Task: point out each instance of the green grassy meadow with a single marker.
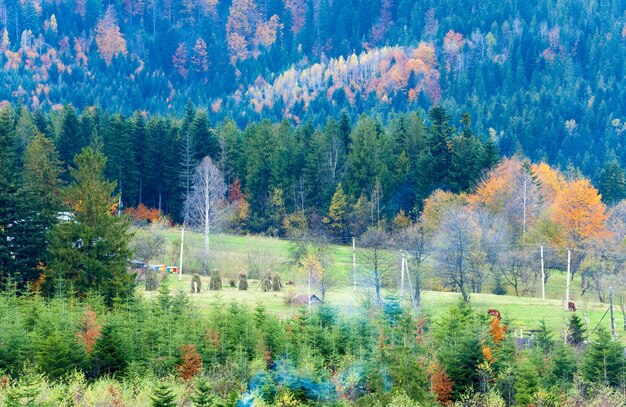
(255, 255)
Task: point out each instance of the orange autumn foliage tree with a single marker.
(552, 181)
(89, 331)
(236, 198)
(240, 27)
(496, 330)
(452, 47)
(579, 210)
(109, 38)
(297, 10)
(488, 355)
(266, 32)
(496, 189)
(192, 363)
(441, 385)
(180, 60)
(143, 213)
(436, 205)
(199, 58)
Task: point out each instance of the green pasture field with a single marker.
(255, 255)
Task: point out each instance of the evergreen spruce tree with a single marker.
(91, 128)
(498, 285)
(9, 200)
(58, 355)
(20, 252)
(163, 396)
(367, 160)
(564, 360)
(204, 139)
(603, 361)
(459, 347)
(576, 332)
(158, 135)
(527, 383)
(465, 159)
(25, 129)
(138, 144)
(43, 123)
(108, 356)
(203, 397)
(345, 128)
(27, 389)
(91, 251)
(612, 183)
(70, 139)
(544, 337)
(435, 164)
(42, 191)
(490, 156)
(338, 212)
(315, 189)
(258, 150)
(41, 177)
(121, 166)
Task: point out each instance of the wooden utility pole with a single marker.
(569, 262)
(543, 277)
(611, 308)
(402, 276)
(354, 263)
(408, 278)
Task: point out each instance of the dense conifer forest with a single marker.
(541, 78)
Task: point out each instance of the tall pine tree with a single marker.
(90, 251)
(612, 183)
(42, 191)
(435, 164)
(20, 249)
(70, 139)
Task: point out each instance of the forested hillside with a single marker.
(539, 77)
(281, 172)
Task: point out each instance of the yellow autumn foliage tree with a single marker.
(493, 192)
(579, 210)
(552, 181)
(109, 38)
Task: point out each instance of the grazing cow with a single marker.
(495, 313)
(571, 306)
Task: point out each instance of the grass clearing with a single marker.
(256, 254)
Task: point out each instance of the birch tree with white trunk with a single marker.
(206, 204)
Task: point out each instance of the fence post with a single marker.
(354, 263)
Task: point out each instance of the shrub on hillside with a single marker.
(152, 280)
